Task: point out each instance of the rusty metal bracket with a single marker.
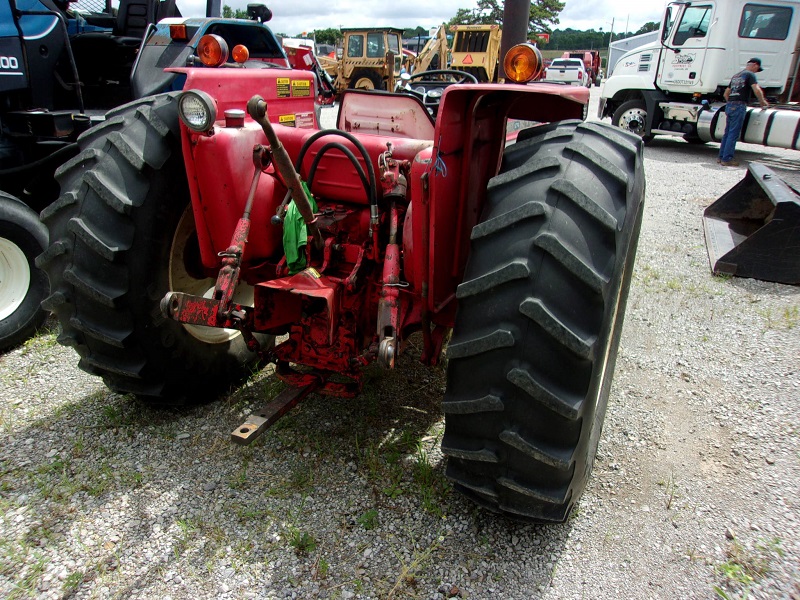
(261, 420)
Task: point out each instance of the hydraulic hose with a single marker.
(349, 154)
(373, 186)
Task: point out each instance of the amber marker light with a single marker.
(178, 33)
(212, 50)
(240, 53)
(523, 63)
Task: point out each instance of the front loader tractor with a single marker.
(202, 233)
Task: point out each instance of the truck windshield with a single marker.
(694, 24)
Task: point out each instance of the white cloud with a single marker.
(307, 15)
(598, 14)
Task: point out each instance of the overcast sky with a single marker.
(295, 16)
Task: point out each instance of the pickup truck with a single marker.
(567, 70)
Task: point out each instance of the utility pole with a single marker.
(610, 39)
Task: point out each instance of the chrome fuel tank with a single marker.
(773, 127)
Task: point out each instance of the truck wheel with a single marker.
(122, 236)
(366, 80)
(22, 285)
(539, 318)
(632, 116)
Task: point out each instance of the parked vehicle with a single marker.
(476, 50)
(371, 59)
(198, 236)
(591, 62)
(59, 72)
(64, 70)
(567, 70)
(675, 85)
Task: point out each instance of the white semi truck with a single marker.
(674, 86)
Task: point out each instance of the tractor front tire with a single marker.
(121, 236)
(365, 79)
(540, 313)
(22, 285)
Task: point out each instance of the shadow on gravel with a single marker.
(674, 150)
(107, 496)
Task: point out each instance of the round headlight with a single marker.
(197, 110)
(523, 63)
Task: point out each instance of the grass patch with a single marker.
(746, 565)
(368, 520)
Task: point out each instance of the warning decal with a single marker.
(287, 120)
(468, 59)
(305, 120)
(301, 88)
(284, 89)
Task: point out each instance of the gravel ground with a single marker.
(694, 493)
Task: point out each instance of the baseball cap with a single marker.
(756, 61)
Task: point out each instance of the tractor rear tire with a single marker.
(121, 237)
(365, 79)
(22, 285)
(540, 313)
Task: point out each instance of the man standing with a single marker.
(737, 95)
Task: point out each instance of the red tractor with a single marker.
(196, 228)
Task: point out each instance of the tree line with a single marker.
(543, 16)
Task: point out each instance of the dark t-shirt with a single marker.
(741, 86)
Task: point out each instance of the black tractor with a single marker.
(63, 65)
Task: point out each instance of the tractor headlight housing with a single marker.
(197, 110)
(523, 63)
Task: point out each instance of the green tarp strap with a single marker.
(295, 235)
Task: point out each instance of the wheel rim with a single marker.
(181, 280)
(15, 277)
(634, 120)
(365, 83)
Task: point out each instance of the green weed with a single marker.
(302, 542)
(368, 520)
(71, 582)
(746, 566)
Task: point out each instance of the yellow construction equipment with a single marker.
(476, 49)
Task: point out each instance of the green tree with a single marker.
(542, 16)
(328, 36)
(417, 31)
(229, 13)
(648, 27)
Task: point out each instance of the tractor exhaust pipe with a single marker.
(257, 109)
(516, 16)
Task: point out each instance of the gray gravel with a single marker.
(695, 492)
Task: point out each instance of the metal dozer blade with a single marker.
(753, 229)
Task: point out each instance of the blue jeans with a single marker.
(734, 119)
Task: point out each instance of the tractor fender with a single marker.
(468, 142)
